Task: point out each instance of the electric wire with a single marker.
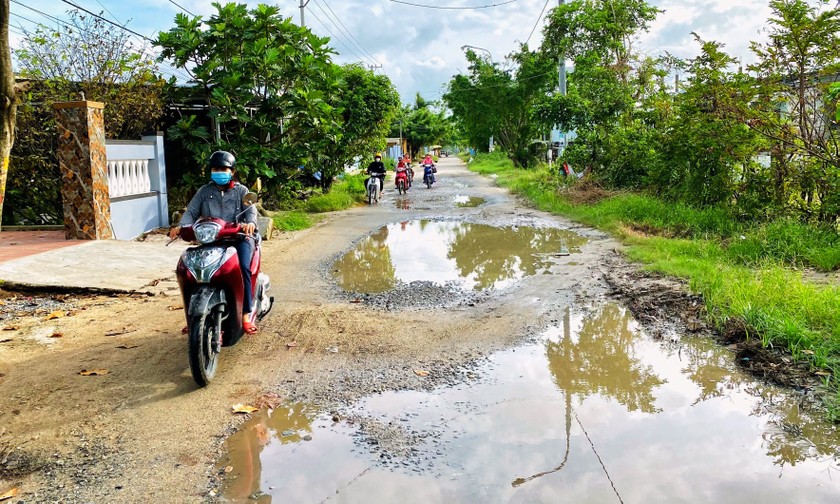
(539, 18)
(183, 9)
(349, 46)
(70, 25)
(348, 32)
(129, 30)
(336, 38)
(450, 7)
(111, 13)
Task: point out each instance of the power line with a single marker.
(537, 23)
(183, 9)
(111, 13)
(70, 25)
(441, 7)
(361, 58)
(36, 23)
(349, 33)
(129, 30)
(41, 13)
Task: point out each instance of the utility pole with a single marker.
(302, 5)
(562, 83)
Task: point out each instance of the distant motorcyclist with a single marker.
(222, 198)
(377, 169)
(429, 162)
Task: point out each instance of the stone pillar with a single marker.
(84, 170)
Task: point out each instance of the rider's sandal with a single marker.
(248, 327)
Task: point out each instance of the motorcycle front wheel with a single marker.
(204, 347)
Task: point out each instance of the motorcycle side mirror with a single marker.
(249, 199)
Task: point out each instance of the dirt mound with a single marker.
(586, 192)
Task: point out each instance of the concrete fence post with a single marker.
(157, 177)
(84, 170)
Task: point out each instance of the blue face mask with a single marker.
(221, 178)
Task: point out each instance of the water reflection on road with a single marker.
(594, 412)
(477, 256)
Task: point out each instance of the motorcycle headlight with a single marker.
(203, 263)
(206, 232)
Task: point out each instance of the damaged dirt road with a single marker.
(396, 330)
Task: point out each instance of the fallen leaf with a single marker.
(2, 303)
(10, 493)
(421, 372)
(291, 344)
(128, 347)
(269, 400)
(175, 308)
(808, 352)
(357, 300)
(243, 408)
(57, 335)
(94, 372)
(228, 469)
(822, 373)
(11, 328)
(56, 314)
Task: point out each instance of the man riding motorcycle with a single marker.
(377, 169)
(222, 199)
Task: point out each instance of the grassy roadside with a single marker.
(753, 276)
(345, 193)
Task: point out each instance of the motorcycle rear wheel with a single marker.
(204, 355)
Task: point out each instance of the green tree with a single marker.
(367, 104)
(707, 150)
(267, 84)
(88, 56)
(423, 126)
(609, 81)
(492, 101)
(794, 71)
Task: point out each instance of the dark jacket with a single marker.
(210, 201)
(377, 169)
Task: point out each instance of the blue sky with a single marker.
(420, 48)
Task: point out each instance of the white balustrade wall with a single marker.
(137, 185)
(128, 177)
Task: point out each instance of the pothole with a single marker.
(466, 255)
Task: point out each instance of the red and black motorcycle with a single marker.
(401, 181)
(212, 289)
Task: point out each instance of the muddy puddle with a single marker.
(462, 201)
(473, 256)
(593, 411)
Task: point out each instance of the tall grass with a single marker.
(344, 194)
(744, 271)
